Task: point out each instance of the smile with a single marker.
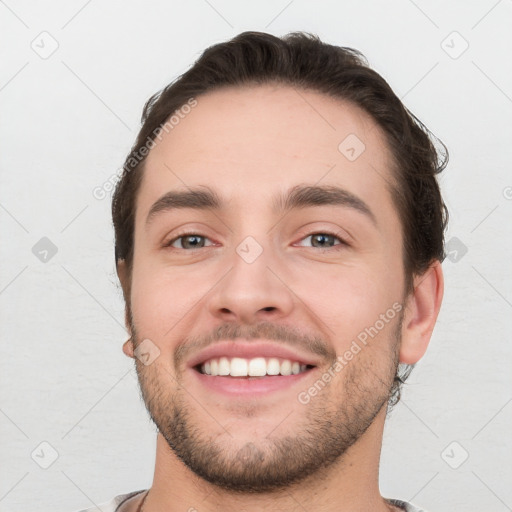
(255, 367)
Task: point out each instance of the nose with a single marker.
(252, 291)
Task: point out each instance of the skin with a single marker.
(248, 144)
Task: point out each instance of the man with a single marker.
(279, 238)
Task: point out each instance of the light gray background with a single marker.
(68, 121)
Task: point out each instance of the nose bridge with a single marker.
(252, 288)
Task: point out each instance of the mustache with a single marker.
(264, 330)
(288, 334)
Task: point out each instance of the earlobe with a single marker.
(421, 312)
(128, 348)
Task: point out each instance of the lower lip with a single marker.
(247, 386)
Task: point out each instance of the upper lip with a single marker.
(249, 350)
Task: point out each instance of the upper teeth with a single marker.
(257, 367)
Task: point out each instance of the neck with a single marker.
(350, 484)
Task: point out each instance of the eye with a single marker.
(321, 240)
(324, 241)
(188, 241)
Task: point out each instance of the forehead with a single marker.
(249, 142)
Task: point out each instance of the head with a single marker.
(282, 140)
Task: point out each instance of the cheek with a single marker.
(347, 298)
(157, 301)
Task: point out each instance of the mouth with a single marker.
(255, 368)
(251, 378)
(251, 368)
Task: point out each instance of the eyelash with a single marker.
(328, 233)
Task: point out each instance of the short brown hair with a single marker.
(302, 60)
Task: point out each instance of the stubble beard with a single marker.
(324, 429)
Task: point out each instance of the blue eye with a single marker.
(325, 238)
(190, 241)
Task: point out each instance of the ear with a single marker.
(128, 348)
(422, 309)
(124, 278)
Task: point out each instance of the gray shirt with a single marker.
(114, 504)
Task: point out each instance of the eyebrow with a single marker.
(300, 196)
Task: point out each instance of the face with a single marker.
(317, 272)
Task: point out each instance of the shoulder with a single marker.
(113, 504)
(407, 507)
